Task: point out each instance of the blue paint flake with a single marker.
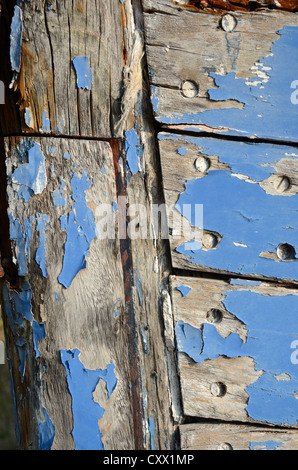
(244, 213)
(39, 333)
(184, 290)
(16, 39)
(134, 150)
(46, 433)
(32, 175)
(40, 257)
(145, 341)
(28, 118)
(18, 312)
(152, 433)
(138, 282)
(81, 230)
(59, 196)
(82, 383)
(22, 239)
(83, 71)
(46, 123)
(266, 445)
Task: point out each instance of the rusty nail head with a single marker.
(210, 241)
(224, 446)
(214, 316)
(285, 252)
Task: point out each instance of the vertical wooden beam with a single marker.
(82, 315)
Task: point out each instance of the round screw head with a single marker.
(189, 89)
(281, 183)
(209, 241)
(228, 22)
(218, 389)
(214, 316)
(202, 164)
(224, 446)
(285, 252)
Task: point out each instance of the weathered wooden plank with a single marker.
(66, 62)
(205, 77)
(66, 315)
(209, 436)
(248, 194)
(237, 350)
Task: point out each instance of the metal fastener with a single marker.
(228, 22)
(189, 89)
(281, 183)
(214, 316)
(285, 252)
(202, 164)
(210, 241)
(218, 389)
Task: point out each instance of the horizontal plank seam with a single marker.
(272, 427)
(288, 283)
(255, 140)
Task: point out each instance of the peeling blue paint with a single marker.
(264, 101)
(145, 341)
(244, 282)
(243, 213)
(134, 150)
(271, 328)
(46, 123)
(16, 39)
(266, 445)
(40, 257)
(184, 290)
(39, 333)
(83, 71)
(18, 312)
(22, 239)
(82, 383)
(80, 228)
(32, 176)
(46, 433)
(28, 118)
(152, 433)
(59, 196)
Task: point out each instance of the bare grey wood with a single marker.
(211, 436)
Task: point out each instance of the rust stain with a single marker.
(218, 6)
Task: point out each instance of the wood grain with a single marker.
(232, 366)
(233, 74)
(247, 194)
(82, 316)
(212, 436)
